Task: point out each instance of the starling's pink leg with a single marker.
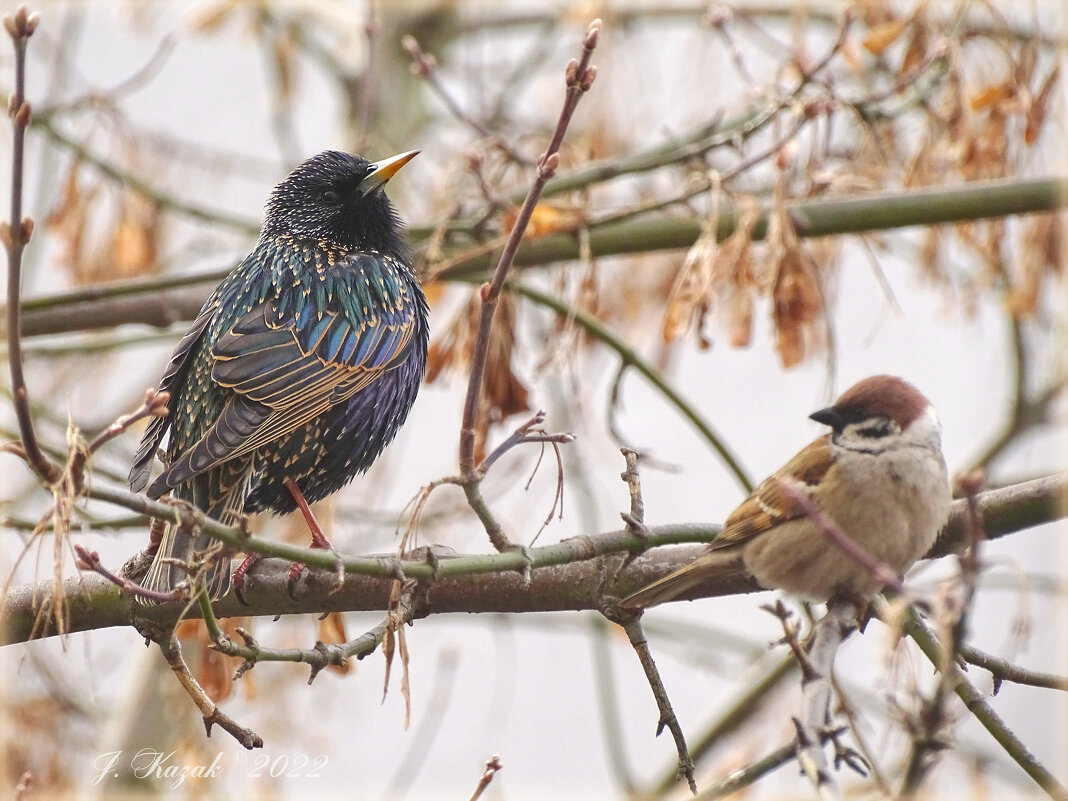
(319, 539)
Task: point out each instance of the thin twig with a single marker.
(717, 17)
(15, 236)
(320, 655)
(734, 715)
(530, 431)
(980, 707)
(750, 774)
(90, 560)
(209, 710)
(929, 724)
(493, 764)
(425, 66)
(833, 532)
(1026, 412)
(631, 622)
(579, 78)
(1003, 670)
(635, 518)
(138, 80)
(365, 94)
(145, 188)
(630, 356)
(154, 405)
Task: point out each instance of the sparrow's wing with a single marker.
(769, 504)
(765, 508)
(285, 372)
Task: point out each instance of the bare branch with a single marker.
(564, 575)
(209, 710)
(1003, 671)
(15, 235)
(630, 621)
(580, 77)
(978, 705)
(493, 764)
(425, 66)
(814, 720)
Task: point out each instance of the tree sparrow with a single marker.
(879, 474)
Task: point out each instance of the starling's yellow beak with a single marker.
(383, 170)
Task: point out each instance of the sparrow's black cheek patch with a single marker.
(876, 429)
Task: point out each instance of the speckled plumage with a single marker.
(303, 363)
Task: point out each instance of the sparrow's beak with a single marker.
(383, 170)
(829, 417)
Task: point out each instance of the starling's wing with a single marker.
(769, 505)
(285, 373)
(176, 369)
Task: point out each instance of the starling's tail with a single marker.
(181, 553)
(180, 558)
(708, 566)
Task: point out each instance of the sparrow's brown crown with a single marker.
(883, 396)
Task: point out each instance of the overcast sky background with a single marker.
(525, 686)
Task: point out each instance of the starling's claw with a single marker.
(296, 570)
(238, 580)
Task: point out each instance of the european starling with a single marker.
(301, 366)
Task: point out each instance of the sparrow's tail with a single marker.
(709, 566)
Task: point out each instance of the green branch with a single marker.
(823, 217)
(144, 187)
(632, 358)
(978, 705)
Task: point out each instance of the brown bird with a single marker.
(879, 474)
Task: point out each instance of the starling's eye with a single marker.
(329, 196)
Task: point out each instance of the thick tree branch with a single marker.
(564, 576)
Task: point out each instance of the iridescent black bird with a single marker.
(300, 367)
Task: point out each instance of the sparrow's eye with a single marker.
(329, 196)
